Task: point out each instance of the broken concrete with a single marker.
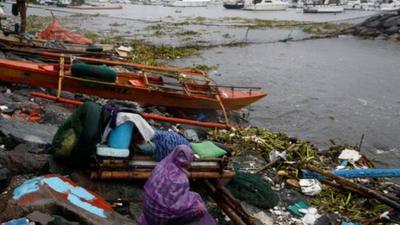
(53, 194)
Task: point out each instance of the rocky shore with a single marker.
(384, 26)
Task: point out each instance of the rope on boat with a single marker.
(223, 108)
(61, 76)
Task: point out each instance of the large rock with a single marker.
(392, 30)
(374, 24)
(370, 19)
(27, 131)
(391, 21)
(21, 162)
(52, 194)
(367, 32)
(4, 176)
(395, 37)
(375, 21)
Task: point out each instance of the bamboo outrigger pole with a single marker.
(145, 115)
(370, 192)
(61, 76)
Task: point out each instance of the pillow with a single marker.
(207, 149)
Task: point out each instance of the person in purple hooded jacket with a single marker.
(167, 198)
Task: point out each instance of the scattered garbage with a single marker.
(350, 155)
(311, 215)
(310, 187)
(20, 221)
(191, 135)
(349, 223)
(274, 155)
(3, 107)
(123, 51)
(298, 209)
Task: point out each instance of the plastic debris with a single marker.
(20, 221)
(342, 165)
(201, 117)
(275, 155)
(350, 155)
(262, 216)
(3, 107)
(310, 187)
(385, 215)
(311, 215)
(295, 209)
(123, 51)
(191, 135)
(349, 223)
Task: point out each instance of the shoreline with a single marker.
(261, 141)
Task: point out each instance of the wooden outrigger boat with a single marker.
(162, 86)
(15, 41)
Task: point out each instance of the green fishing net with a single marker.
(253, 190)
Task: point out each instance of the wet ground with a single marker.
(321, 90)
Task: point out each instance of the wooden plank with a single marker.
(138, 175)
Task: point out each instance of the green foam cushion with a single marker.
(207, 149)
(94, 72)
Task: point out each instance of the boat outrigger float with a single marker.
(162, 86)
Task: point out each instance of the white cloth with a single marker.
(141, 124)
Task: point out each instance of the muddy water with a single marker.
(324, 89)
(159, 12)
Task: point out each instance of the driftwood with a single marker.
(375, 219)
(229, 204)
(338, 186)
(268, 165)
(133, 175)
(273, 161)
(381, 197)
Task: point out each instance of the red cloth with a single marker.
(56, 32)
